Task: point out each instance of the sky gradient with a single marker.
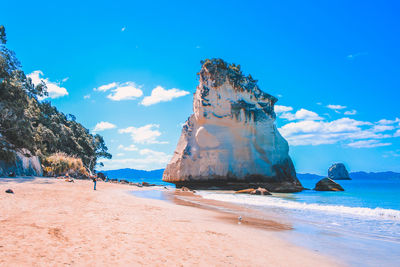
(127, 70)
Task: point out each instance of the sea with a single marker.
(360, 226)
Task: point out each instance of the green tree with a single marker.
(34, 124)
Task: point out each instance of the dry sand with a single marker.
(49, 222)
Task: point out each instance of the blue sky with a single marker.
(334, 67)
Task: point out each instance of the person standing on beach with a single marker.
(94, 182)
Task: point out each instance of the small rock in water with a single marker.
(328, 184)
(252, 191)
(147, 184)
(185, 189)
(245, 191)
(9, 191)
(338, 172)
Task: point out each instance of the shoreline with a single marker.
(53, 222)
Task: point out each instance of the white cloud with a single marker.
(148, 160)
(126, 91)
(86, 96)
(281, 109)
(350, 112)
(388, 154)
(382, 128)
(128, 148)
(147, 134)
(65, 79)
(159, 94)
(302, 114)
(336, 107)
(353, 56)
(325, 132)
(386, 122)
(397, 134)
(104, 125)
(152, 153)
(123, 29)
(120, 154)
(106, 87)
(121, 91)
(54, 89)
(368, 144)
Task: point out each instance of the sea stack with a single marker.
(338, 172)
(231, 140)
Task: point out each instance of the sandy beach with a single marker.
(53, 222)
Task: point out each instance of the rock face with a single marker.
(24, 164)
(252, 191)
(338, 172)
(327, 184)
(260, 191)
(231, 141)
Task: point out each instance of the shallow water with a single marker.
(361, 224)
(152, 194)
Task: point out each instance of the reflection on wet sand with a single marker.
(229, 212)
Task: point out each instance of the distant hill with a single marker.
(375, 175)
(134, 174)
(308, 176)
(157, 174)
(355, 175)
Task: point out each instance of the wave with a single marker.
(376, 213)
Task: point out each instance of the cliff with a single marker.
(24, 164)
(231, 141)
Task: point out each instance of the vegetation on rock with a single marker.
(61, 164)
(27, 121)
(219, 71)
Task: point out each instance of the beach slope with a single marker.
(53, 222)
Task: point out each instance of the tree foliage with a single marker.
(28, 122)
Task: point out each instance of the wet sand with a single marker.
(53, 222)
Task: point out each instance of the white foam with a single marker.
(377, 213)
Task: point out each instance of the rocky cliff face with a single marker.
(338, 172)
(24, 165)
(231, 140)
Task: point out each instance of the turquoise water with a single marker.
(368, 193)
(361, 224)
(157, 181)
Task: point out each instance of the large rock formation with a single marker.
(231, 141)
(338, 172)
(24, 164)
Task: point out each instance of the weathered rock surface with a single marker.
(260, 191)
(24, 164)
(328, 184)
(147, 184)
(338, 172)
(245, 191)
(252, 191)
(231, 141)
